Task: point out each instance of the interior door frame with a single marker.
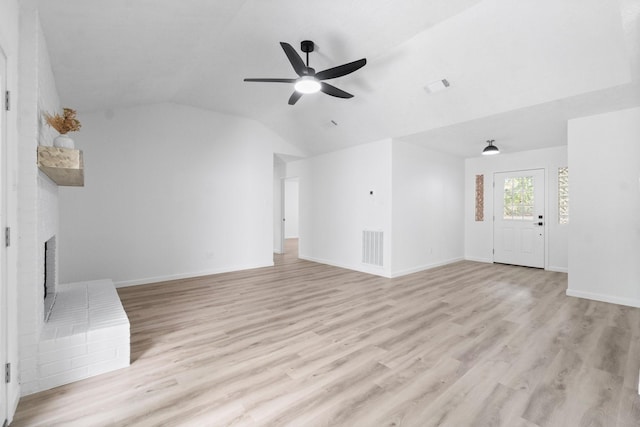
(4, 285)
(546, 209)
(282, 215)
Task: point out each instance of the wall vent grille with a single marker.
(372, 247)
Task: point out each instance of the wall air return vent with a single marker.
(372, 247)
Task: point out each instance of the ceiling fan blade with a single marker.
(341, 70)
(334, 91)
(296, 62)
(271, 80)
(294, 97)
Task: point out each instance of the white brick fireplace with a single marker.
(79, 330)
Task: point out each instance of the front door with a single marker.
(519, 223)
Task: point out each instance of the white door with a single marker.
(519, 223)
(3, 250)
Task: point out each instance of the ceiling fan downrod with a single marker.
(307, 46)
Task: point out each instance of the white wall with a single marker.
(291, 208)
(335, 204)
(479, 234)
(9, 35)
(170, 191)
(604, 173)
(428, 204)
(417, 202)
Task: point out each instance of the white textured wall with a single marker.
(479, 234)
(335, 204)
(170, 191)
(428, 208)
(604, 171)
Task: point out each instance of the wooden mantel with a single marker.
(63, 165)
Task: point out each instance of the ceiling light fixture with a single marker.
(490, 149)
(307, 84)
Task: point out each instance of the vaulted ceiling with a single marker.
(517, 70)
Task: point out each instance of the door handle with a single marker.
(538, 223)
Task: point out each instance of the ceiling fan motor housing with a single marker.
(307, 46)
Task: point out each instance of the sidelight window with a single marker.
(563, 195)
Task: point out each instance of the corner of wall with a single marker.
(605, 200)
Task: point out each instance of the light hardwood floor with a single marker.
(305, 344)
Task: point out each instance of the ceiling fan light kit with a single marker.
(490, 149)
(308, 80)
(307, 84)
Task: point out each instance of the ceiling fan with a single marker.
(309, 81)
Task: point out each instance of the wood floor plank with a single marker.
(466, 344)
(550, 399)
(502, 407)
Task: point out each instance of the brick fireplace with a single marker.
(65, 331)
(68, 331)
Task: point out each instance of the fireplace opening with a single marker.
(46, 248)
(49, 276)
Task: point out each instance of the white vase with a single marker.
(63, 141)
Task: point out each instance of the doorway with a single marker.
(519, 218)
(290, 217)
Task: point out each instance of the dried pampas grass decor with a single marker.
(64, 123)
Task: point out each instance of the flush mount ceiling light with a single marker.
(490, 149)
(307, 84)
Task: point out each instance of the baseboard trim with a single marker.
(631, 302)
(157, 279)
(490, 261)
(379, 271)
(425, 267)
(376, 271)
(13, 406)
(485, 260)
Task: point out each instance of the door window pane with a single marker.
(518, 198)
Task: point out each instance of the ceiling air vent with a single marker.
(437, 86)
(330, 124)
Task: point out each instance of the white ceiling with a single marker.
(518, 70)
